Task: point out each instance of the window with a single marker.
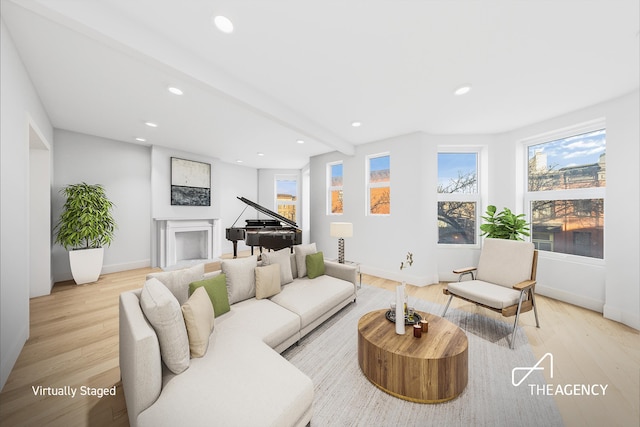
(335, 189)
(458, 197)
(379, 184)
(566, 178)
(287, 196)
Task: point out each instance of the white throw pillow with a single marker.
(162, 310)
(199, 320)
(267, 281)
(178, 281)
(301, 252)
(284, 260)
(241, 279)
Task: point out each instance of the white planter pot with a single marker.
(86, 264)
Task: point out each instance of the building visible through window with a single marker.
(566, 181)
(287, 197)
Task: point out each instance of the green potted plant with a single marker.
(504, 224)
(85, 227)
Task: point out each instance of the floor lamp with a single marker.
(341, 230)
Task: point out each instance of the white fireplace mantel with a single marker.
(167, 230)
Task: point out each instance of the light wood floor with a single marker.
(74, 342)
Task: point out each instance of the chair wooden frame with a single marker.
(526, 302)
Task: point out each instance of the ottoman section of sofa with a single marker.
(276, 326)
(313, 299)
(240, 381)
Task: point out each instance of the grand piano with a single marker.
(264, 233)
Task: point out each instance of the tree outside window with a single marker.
(379, 184)
(335, 185)
(458, 197)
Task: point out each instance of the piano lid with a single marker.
(266, 211)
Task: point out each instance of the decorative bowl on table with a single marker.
(391, 317)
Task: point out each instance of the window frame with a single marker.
(369, 185)
(277, 203)
(479, 197)
(592, 193)
(332, 188)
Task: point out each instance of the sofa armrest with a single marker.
(140, 362)
(341, 271)
(524, 285)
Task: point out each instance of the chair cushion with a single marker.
(198, 319)
(491, 295)
(505, 262)
(162, 310)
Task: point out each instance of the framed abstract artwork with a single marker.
(190, 183)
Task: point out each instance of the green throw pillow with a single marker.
(216, 287)
(315, 265)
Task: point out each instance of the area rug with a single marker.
(344, 396)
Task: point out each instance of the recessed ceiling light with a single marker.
(223, 23)
(462, 90)
(238, 161)
(141, 139)
(356, 124)
(174, 90)
(300, 141)
(260, 154)
(151, 124)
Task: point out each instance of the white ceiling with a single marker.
(296, 69)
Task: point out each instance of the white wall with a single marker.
(124, 170)
(18, 103)
(227, 182)
(380, 243)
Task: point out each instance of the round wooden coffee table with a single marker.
(430, 369)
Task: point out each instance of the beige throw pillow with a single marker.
(241, 279)
(198, 318)
(267, 281)
(178, 281)
(162, 310)
(301, 252)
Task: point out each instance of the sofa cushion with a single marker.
(315, 265)
(489, 294)
(311, 298)
(178, 281)
(260, 318)
(199, 321)
(162, 310)
(267, 281)
(301, 252)
(284, 260)
(241, 279)
(216, 288)
(238, 382)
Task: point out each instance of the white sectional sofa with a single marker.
(241, 380)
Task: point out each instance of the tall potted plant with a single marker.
(504, 224)
(85, 227)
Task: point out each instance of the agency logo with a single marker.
(553, 389)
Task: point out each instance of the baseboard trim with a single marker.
(621, 316)
(114, 268)
(579, 300)
(399, 277)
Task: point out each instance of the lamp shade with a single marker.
(341, 229)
